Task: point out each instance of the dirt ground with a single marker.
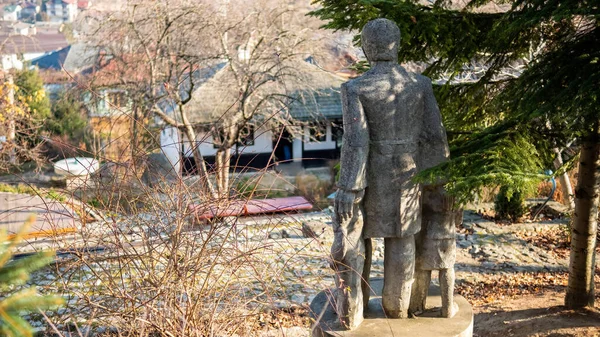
(535, 315)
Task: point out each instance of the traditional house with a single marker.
(17, 49)
(23, 28)
(62, 10)
(107, 101)
(11, 13)
(311, 134)
(29, 11)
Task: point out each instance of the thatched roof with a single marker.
(312, 91)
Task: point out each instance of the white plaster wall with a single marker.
(31, 56)
(12, 16)
(72, 11)
(171, 145)
(263, 143)
(297, 150)
(206, 145)
(309, 145)
(11, 61)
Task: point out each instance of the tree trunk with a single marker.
(223, 162)
(205, 183)
(135, 136)
(565, 182)
(11, 137)
(580, 291)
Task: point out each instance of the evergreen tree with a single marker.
(14, 273)
(31, 92)
(67, 118)
(534, 69)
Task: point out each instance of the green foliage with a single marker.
(336, 171)
(20, 188)
(501, 127)
(13, 273)
(247, 187)
(31, 92)
(31, 190)
(509, 204)
(67, 118)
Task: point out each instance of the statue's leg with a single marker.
(398, 275)
(449, 308)
(366, 285)
(420, 288)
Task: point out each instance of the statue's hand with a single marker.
(344, 204)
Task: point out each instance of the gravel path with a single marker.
(300, 267)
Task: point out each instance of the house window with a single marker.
(117, 99)
(246, 136)
(317, 134)
(337, 134)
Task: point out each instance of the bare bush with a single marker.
(146, 269)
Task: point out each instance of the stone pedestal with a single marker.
(429, 324)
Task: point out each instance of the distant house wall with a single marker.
(255, 154)
(313, 145)
(31, 56)
(263, 143)
(170, 144)
(11, 16)
(11, 13)
(112, 137)
(11, 61)
(109, 111)
(260, 153)
(15, 61)
(317, 152)
(107, 103)
(60, 11)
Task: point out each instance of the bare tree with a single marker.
(156, 48)
(169, 49)
(264, 47)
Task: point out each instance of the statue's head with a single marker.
(380, 39)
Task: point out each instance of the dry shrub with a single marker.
(60, 147)
(158, 274)
(488, 194)
(545, 188)
(312, 188)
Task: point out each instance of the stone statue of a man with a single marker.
(392, 130)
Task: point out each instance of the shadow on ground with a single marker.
(556, 321)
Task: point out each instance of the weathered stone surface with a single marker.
(159, 171)
(308, 257)
(377, 324)
(316, 229)
(436, 250)
(392, 130)
(111, 173)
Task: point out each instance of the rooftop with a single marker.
(53, 60)
(43, 42)
(11, 8)
(315, 93)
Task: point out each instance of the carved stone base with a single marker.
(428, 324)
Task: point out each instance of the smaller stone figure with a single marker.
(436, 250)
(351, 260)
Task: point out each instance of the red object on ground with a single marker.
(250, 207)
